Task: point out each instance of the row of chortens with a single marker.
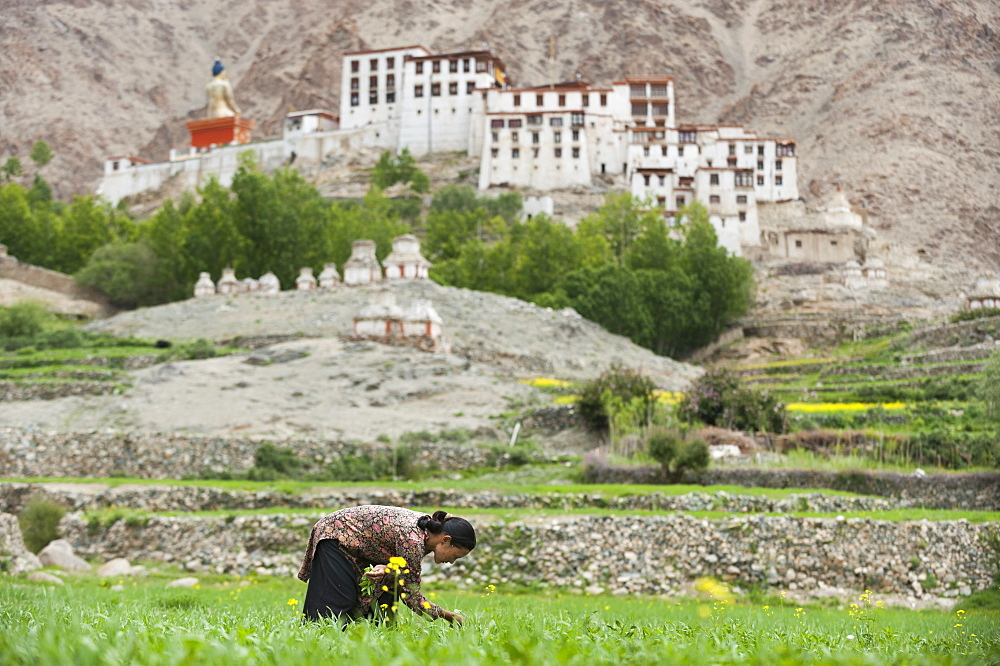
(404, 263)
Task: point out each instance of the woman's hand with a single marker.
(454, 618)
(376, 574)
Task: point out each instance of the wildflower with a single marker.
(384, 606)
(850, 637)
(292, 602)
(402, 582)
(397, 562)
(394, 608)
(385, 588)
(402, 595)
(426, 604)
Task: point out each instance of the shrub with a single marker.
(24, 320)
(273, 462)
(981, 313)
(198, 349)
(720, 398)
(674, 453)
(39, 521)
(620, 384)
(61, 338)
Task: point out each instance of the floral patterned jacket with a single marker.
(370, 535)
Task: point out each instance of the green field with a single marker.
(256, 621)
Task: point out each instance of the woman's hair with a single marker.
(459, 529)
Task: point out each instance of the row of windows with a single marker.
(540, 99)
(390, 63)
(575, 119)
(642, 109)
(390, 82)
(453, 65)
(535, 152)
(536, 137)
(743, 179)
(655, 90)
(418, 90)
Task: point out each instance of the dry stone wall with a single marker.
(14, 557)
(30, 453)
(649, 555)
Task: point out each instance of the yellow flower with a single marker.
(402, 582)
(384, 606)
(385, 588)
(394, 608)
(426, 604)
(292, 602)
(406, 571)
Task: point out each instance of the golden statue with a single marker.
(220, 94)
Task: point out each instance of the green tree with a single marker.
(612, 296)
(19, 226)
(87, 224)
(11, 169)
(620, 220)
(208, 234)
(403, 169)
(548, 250)
(41, 154)
(129, 273)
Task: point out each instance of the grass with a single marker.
(224, 622)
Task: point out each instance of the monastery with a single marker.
(538, 139)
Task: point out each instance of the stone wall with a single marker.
(29, 453)
(36, 276)
(14, 557)
(623, 554)
(83, 497)
(979, 491)
(823, 328)
(963, 333)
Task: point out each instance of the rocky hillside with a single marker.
(897, 99)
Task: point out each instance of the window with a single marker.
(645, 151)
(390, 80)
(777, 180)
(390, 62)
(557, 137)
(680, 151)
(514, 137)
(777, 165)
(833, 243)
(639, 109)
(354, 99)
(539, 100)
(748, 149)
(713, 179)
(732, 149)
(760, 180)
(798, 243)
(760, 165)
(687, 136)
(355, 66)
(495, 152)
(355, 84)
(515, 153)
(562, 100)
(496, 137)
(535, 137)
(420, 68)
(373, 97)
(658, 90)
(660, 109)
(645, 179)
(435, 90)
(469, 87)
(741, 198)
(514, 122)
(466, 65)
(496, 122)
(534, 120)
(390, 97)
(604, 99)
(760, 150)
(555, 121)
(714, 199)
(586, 99)
(453, 66)
(679, 202)
(517, 100)
(418, 91)
(663, 151)
(576, 135)
(558, 152)
(453, 87)
(744, 179)
(785, 150)
(436, 66)
(638, 90)
(373, 82)
(576, 152)
(663, 180)
(373, 64)
(743, 216)
(534, 152)
(576, 119)
(480, 65)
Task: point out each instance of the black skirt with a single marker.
(333, 589)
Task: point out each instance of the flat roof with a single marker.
(394, 48)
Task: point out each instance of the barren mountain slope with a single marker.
(897, 99)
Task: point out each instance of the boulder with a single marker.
(189, 582)
(44, 577)
(13, 555)
(115, 568)
(60, 554)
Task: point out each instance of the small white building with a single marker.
(249, 285)
(269, 284)
(851, 275)
(984, 294)
(204, 286)
(363, 266)
(874, 273)
(329, 278)
(405, 261)
(228, 285)
(305, 281)
(298, 123)
(382, 318)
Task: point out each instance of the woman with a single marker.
(345, 543)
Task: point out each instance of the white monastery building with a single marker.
(541, 138)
